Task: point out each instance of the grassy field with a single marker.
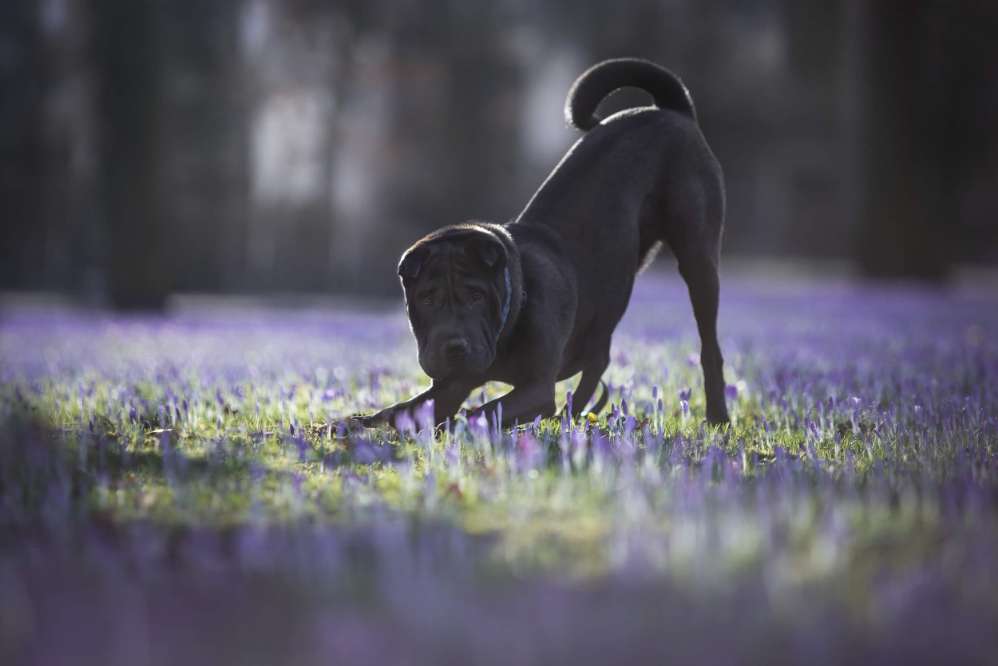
(177, 489)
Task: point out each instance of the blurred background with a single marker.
(150, 147)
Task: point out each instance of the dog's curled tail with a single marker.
(608, 76)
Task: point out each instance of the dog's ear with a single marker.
(412, 263)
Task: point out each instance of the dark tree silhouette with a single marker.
(129, 102)
(21, 153)
(906, 201)
(205, 141)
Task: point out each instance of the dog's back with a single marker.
(631, 171)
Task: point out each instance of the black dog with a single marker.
(536, 301)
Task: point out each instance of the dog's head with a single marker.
(458, 294)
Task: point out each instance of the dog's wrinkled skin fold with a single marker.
(537, 300)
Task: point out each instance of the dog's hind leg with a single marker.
(591, 375)
(695, 239)
(700, 274)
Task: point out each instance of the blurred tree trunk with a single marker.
(297, 60)
(451, 135)
(128, 58)
(905, 198)
(205, 141)
(22, 78)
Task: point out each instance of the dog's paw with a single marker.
(358, 421)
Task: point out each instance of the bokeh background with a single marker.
(151, 147)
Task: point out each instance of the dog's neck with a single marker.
(507, 296)
(514, 295)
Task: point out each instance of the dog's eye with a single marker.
(426, 299)
(477, 296)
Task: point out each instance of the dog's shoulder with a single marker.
(531, 237)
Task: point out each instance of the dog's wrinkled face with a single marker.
(457, 297)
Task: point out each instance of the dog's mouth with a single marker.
(450, 363)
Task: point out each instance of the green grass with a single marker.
(860, 471)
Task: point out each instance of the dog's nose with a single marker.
(456, 349)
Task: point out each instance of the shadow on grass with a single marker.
(51, 474)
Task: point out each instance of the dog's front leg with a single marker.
(446, 396)
(522, 404)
